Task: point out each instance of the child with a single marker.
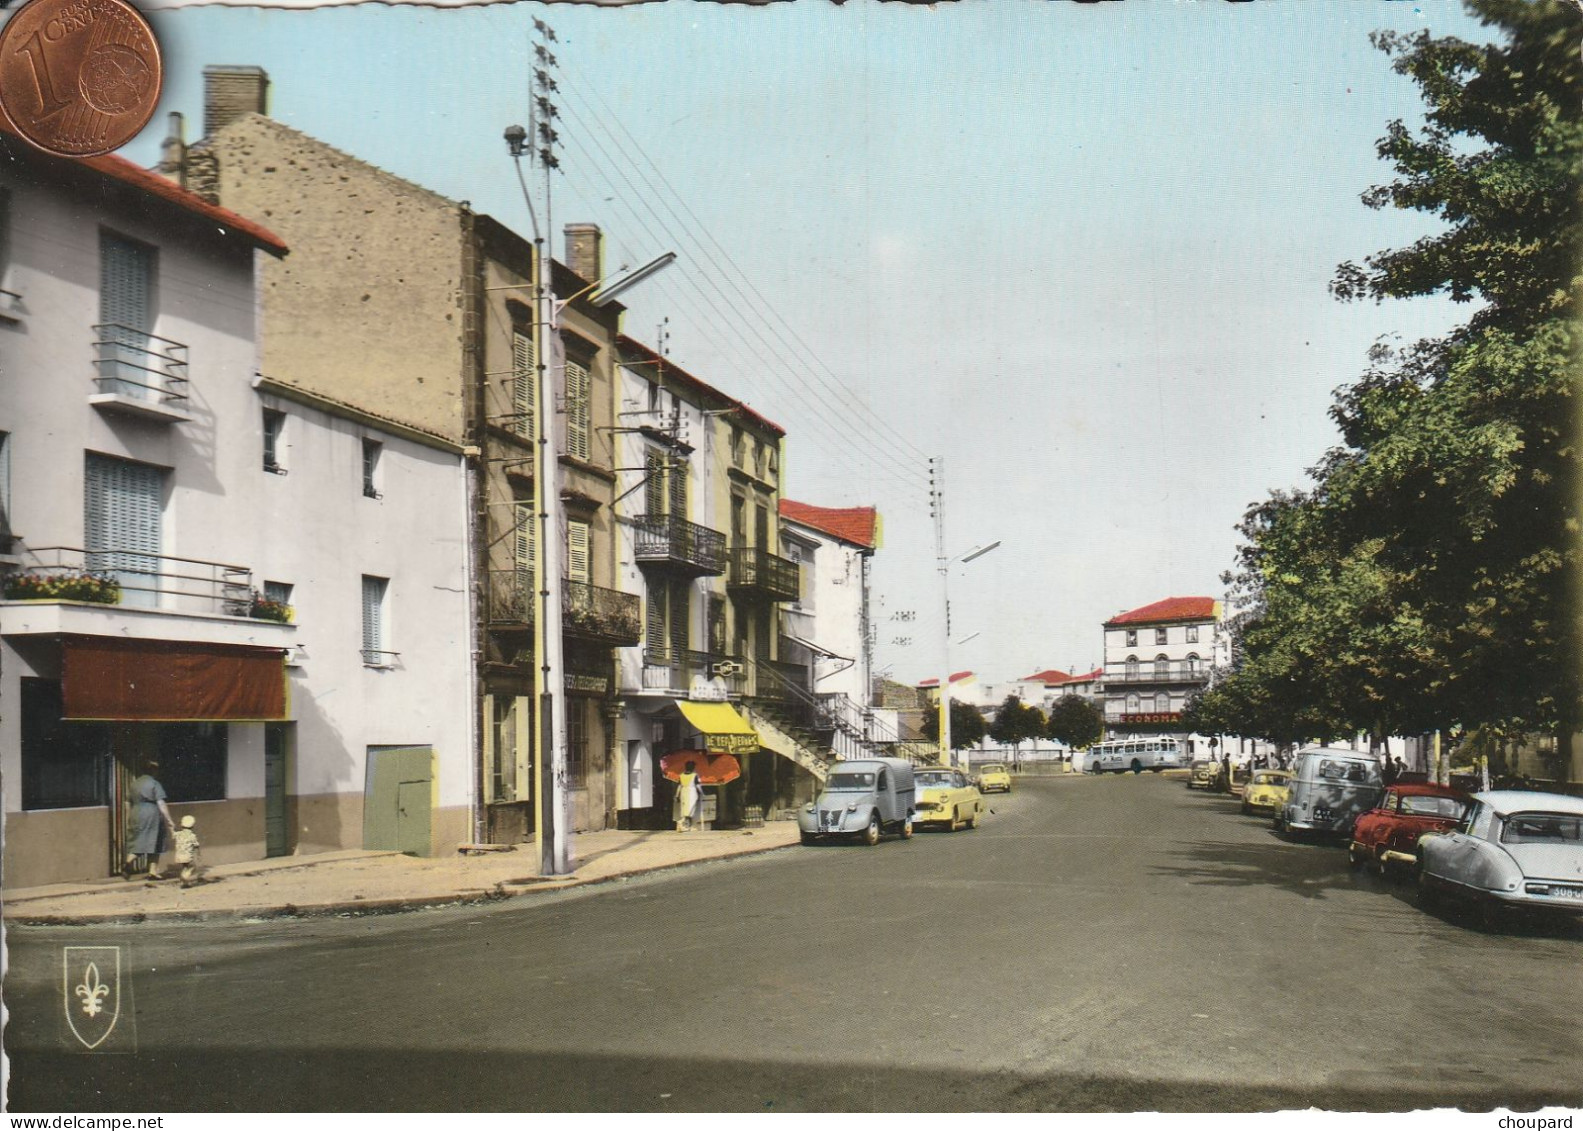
(187, 852)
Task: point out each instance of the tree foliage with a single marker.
(1016, 722)
(1427, 578)
(967, 725)
(1075, 722)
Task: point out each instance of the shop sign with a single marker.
(1152, 717)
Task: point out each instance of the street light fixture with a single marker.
(946, 753)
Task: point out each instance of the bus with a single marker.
(1135, 754)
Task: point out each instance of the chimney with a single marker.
(585, 251)
(231, 92)
(173, 151)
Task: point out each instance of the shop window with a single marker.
(65, 765)
(192, 760)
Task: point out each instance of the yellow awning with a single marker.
(724, 731)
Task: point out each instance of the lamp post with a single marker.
(945, 678)
(552, 828)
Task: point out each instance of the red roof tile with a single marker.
(1170, 609)
(857, 525)
(1054, 678)
(956, 677)
(128, 173)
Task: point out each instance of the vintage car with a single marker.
(1266, 792)
(946, 798)
(993, 777)
(1389, 833)
(864, 798)
(1330, 788)
(1512, 850)
(1202, 773)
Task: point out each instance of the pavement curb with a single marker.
(393, 905)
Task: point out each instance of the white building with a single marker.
(1155, 657)
(162, 501)
(1057, 685)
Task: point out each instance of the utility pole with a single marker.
(943, 564)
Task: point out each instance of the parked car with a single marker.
(1202, 773)
(1329, 789)
(946, 798)
(1512, 850)
(1390, 832)
(993, 777)
(1266, 793)
(864, 798)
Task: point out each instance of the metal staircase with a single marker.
(812, 730)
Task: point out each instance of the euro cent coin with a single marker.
(79, 77)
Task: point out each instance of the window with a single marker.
(524, 384)
(1162, 702)
(8, 299)
(126, 316)
(5, 491)
(676, 485)
(279, 591)
(655, 643)
(578, 565)
(274, 425)
(681, 617)
(526, 539)
(1159, 636)
(579, 400)
(371, 453)
(715, 617)
(122, 511)
(1162, 667)
(739, 521)
(653, 482)
(1192, 634)
(192, 760)
(506, 736)
(737, 447)
(1193, 663)
(576, 743)
(758, 458)
(1132, 667)
(1132, 638)
(1134, 704)
(65, 765)
(374, 633)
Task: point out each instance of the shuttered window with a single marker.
(654, 482)
(5, 490)
(716, 616)
(655, 618)
(681, 616)
(122, 507)
(676, 485)
(578, 395)
(526, 538)
(577, 557)
(374, 652)
(524, 384)
(126, 315)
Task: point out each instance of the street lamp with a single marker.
(945, 680)
(549, 674)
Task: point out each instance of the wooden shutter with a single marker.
(126, 285)
(373, 619)
(681, 635)
(122, 507)
(676, 483)
(577, 558)
(655, 616)
(654, 482)
(527, 541)
(524, 384)
(578, 395)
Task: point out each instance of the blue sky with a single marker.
(1080, 251)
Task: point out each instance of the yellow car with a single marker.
(1266, 793)
(946, 798)
(994, 777)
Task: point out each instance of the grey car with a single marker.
(1513, 849)
(1329, 789)
(863, 799)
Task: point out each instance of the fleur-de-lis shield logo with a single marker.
(91, 985)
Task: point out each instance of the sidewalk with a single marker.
(357, 882)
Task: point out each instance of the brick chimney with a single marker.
(585, 251)
(231, 92)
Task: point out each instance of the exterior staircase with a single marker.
(778, 733)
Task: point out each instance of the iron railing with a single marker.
(134, 363)
(1159, 673)
(151, 581)
(775, 577)
(674, 669)
(512, 601)
(671, 540)
(606, 615)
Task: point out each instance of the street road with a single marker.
(1118, 943)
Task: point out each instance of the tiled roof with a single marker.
(137, 177)
(857, 525)
(676, 371)
(1053, 678)
(1169, 610)
(956, 677)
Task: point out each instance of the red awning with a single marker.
(712, 769)
(112, 678)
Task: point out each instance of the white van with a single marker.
(1330, 788)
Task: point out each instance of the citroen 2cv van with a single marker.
(863, 799)
(1329, 789)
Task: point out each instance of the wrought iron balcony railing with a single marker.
(667, 539)
(766, 574)
(135, 579)
(1158, 673)
(512, 601)
(141, 366)
(608, 616)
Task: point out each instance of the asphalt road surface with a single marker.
(1118, 943)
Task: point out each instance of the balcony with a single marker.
(139, 374)
(763, 574)
(605, 616)
(511, 601)
(682, 546)
(1176, 673)
(678, 670)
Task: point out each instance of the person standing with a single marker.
(689, 799)
(187, 850)
(148, 826)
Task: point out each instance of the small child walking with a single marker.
(187, 851)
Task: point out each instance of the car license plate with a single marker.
(1322, 812)
(1563, 891)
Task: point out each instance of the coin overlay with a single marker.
(78, 77)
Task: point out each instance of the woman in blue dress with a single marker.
(148, 826)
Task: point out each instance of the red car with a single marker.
(1388, 833)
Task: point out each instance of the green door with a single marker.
(276, 840)
(396, 801)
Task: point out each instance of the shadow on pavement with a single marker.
(468, 1079)
(1235, 864)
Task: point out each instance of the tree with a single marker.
(1427, 578)
(1075, 722)
(1016, 722)
(967, 725)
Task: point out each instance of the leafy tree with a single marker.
(1075, 722)
(1015, 723)
(1426, 580)
(967, 725)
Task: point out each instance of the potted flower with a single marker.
(262, 608)
(68, 585)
